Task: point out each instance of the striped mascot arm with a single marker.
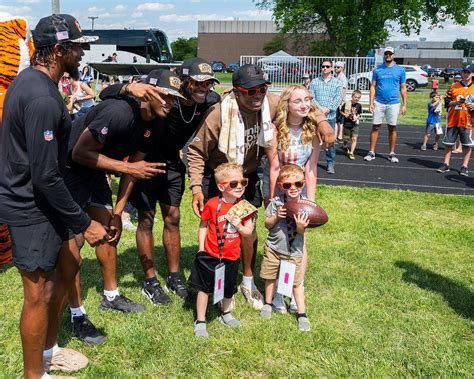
(16, 48)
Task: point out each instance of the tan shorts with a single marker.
(271, 265)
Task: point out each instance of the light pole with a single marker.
(93, 18)
(55, 7)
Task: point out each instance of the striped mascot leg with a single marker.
(16, 47)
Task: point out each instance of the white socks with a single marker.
(77, 312)
(110, 295)
(49, 353)
(46, 376)
(248, 282)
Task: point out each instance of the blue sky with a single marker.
(178, 18)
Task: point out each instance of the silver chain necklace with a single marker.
(181, 113)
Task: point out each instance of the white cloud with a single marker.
(154, 7)
(265, 14)
(95, 10)
(30, 1)
(120, 8)
(192, 17)
(16, 11)
(137, 14)
(107, 15)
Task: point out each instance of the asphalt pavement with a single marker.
(416, 170)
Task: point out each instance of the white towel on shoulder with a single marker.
(232, 133)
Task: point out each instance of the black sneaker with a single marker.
(464, 171)
(443, 168)
(85, 330)
(121, 303)
(176, 285)
(155, 294)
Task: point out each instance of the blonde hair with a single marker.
(310, 125)
(221, 171)
(290, 170)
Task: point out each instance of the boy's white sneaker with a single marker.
(303, 324)
(279, 304)
(229, 320)
(266, 311)
(200, 330)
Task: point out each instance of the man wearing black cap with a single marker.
(237, 130)
(111, 131)
(35, 201)
(198, 79)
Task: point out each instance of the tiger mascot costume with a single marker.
(16, 49)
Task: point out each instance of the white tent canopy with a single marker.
(279, 57)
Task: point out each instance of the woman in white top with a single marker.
(295, 140)
(84, 98)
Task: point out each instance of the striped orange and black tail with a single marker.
(5, 245)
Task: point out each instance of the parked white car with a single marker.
(416, 77)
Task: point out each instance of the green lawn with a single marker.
(389, 291)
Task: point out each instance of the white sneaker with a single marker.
(254, 298)
(370, 156)
(279, 304)
(127, 225)
(393, 158)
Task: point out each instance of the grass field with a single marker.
(389, 291)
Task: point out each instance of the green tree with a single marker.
(466, 45)
(353, 27)
(276, 44)
(184, 48)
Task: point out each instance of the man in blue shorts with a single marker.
(388, 82)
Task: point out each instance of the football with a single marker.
(317, 215)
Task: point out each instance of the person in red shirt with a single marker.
(219, 241)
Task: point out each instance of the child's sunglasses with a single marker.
(288, 185)
(253, 91)
(234, 183)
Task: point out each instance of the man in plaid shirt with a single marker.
(327, 95)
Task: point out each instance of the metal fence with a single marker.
(285, 70)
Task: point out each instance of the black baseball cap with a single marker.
(198, 69)
(59, 28)
(249, 76)
(165, 79)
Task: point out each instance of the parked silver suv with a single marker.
(416, 77)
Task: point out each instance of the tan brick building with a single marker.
(226, 41)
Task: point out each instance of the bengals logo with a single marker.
(205, 68)
(175, 82)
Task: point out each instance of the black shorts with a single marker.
(339, 116)
(253, 193)
(164, 188)
(38, 245)
(202, 274)
(89, 188)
